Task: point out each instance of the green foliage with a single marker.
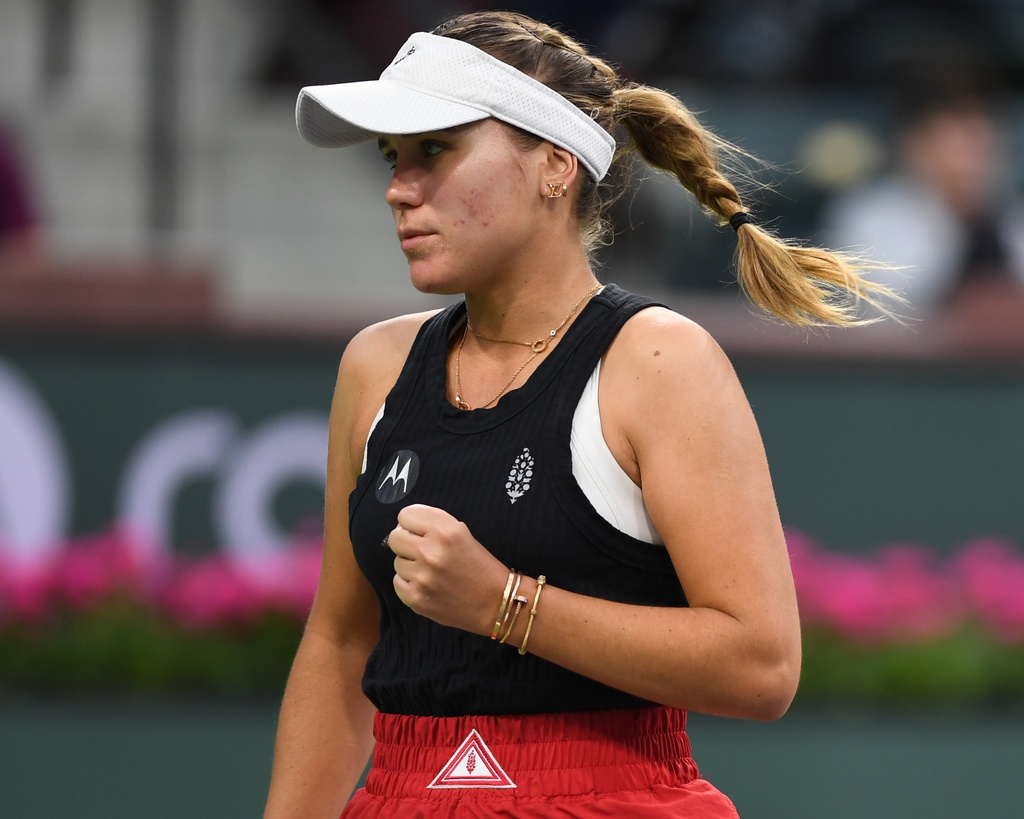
(121, 646)
(966, 667)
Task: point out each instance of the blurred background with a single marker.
(180, 272)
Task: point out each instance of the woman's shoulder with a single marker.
(663, 357)
(374, 358)
(658, 332)
(662, 375)
(379, 351)
(369, 368)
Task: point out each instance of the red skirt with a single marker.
(619, 763)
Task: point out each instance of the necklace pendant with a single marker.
(541, 344)
(536, 347)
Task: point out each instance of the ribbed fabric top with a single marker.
(506, 472)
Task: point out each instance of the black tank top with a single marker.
(506, 472)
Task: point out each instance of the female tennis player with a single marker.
(550, 529)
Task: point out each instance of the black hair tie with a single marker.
(741, 217)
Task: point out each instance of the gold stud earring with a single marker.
(556, 190)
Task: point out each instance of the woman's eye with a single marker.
(428, 148)
(431, 149)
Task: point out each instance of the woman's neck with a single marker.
(529, 307)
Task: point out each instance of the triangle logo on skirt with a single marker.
(472, 766)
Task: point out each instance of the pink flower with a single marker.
(922, 601)
(896, 593)
(96, 568)
(991, 577)
(297, 583)
(208, 593)
(26, 594)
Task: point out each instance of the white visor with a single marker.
(438, 82)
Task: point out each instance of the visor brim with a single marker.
(334, 116)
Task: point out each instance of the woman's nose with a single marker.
(405, 189)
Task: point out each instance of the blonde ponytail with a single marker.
(804, 286)
(801, 285)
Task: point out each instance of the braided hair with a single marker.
(798, 284)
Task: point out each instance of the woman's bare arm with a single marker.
(324, 736)
(678, 420)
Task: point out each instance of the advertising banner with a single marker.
(189, 451)
(219, 445)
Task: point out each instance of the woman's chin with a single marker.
(433, 283)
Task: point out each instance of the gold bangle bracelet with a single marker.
(511, 599)
(512, 596)
(533, 612)
(520, 601)
(505, 599)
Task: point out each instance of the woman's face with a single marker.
(466, 203)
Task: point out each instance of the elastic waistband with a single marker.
(564, 754)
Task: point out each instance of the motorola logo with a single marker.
(398, 476)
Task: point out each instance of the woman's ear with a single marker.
(560, 170)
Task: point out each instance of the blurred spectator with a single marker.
(946, 212)
(20, 246)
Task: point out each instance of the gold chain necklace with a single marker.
(537, 347)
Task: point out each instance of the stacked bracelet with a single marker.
(511, 588)
(511, 605)
(533, 613)
(519, 601)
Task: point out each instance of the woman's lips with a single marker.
(412, 240)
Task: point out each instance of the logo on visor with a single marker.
(408, 53)
(472, 766)
(398, 476)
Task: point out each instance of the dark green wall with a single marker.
(862, 456)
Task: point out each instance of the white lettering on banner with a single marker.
(291, 447)
(188, 446)
(248, 470)
(34, 479)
